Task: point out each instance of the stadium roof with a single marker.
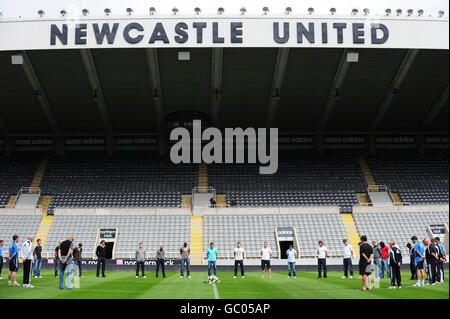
(127, 90)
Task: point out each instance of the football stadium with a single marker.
(224, 150)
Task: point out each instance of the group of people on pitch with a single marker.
(185, 252)
(239, 255)
(429, 251)
(26, 254)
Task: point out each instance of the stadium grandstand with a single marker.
(86, 122)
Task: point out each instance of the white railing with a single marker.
(383, 188)
(377, 188)
(21, 210)
(204, 189)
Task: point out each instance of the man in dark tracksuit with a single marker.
(431, 255)
(412, 265)
(395, 261)
(101, 255)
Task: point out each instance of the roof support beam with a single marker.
(277, 83)
(89, 65)
(436, 108)
(155, 83)
(333, 93)
(39, 92)
(216, 85)
(393, 89)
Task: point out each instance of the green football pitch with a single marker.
(124, 285)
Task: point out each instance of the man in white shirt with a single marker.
(348, 255)
(266, 253)
(26, 253)
(322, 254)
(292, 256)
(239, 255)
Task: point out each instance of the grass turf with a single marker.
(124, 285)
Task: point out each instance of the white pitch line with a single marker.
(216, 292)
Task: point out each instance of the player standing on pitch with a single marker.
(239, 255)
(266, 253)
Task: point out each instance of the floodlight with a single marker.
(243, 10)
(399, 12)
(152, 10)
(354, 11)
(288, 10)
(388, 11)
(366, 11)
(41, 13)
(85, 12)
(266, 10)
(220, 10)
(129, 11)
(441, 13)
(63, 13)
(311, 10)
(410, 12)
(175, 10)
(420, 12)
(107, 11)
(197, 10)
(333, 10)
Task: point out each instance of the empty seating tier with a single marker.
(21, 225)
(303, 178)
(134, 180)
(15, 172)
(253, 230)
(153, 230)
(417, 178)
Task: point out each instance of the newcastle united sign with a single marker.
(134, 32)
(227, 31)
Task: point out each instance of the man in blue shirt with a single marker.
(292, 256)
(442, 258)
(13, 261)
(2, 242)
(212, 259)
(419, 250)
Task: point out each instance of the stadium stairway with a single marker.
(221, 201)
(363, 199)
(368, 176)
(10, 203)
(397, 200)
(37, 179)
(196, 240)
(202, 177)
(186, 201)
(46, 221)
(352, 231)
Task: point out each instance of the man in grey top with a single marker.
(160, 261)
(185, 253)
(140, 260)
(376, 258)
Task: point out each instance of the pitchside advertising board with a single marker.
(179, 31)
